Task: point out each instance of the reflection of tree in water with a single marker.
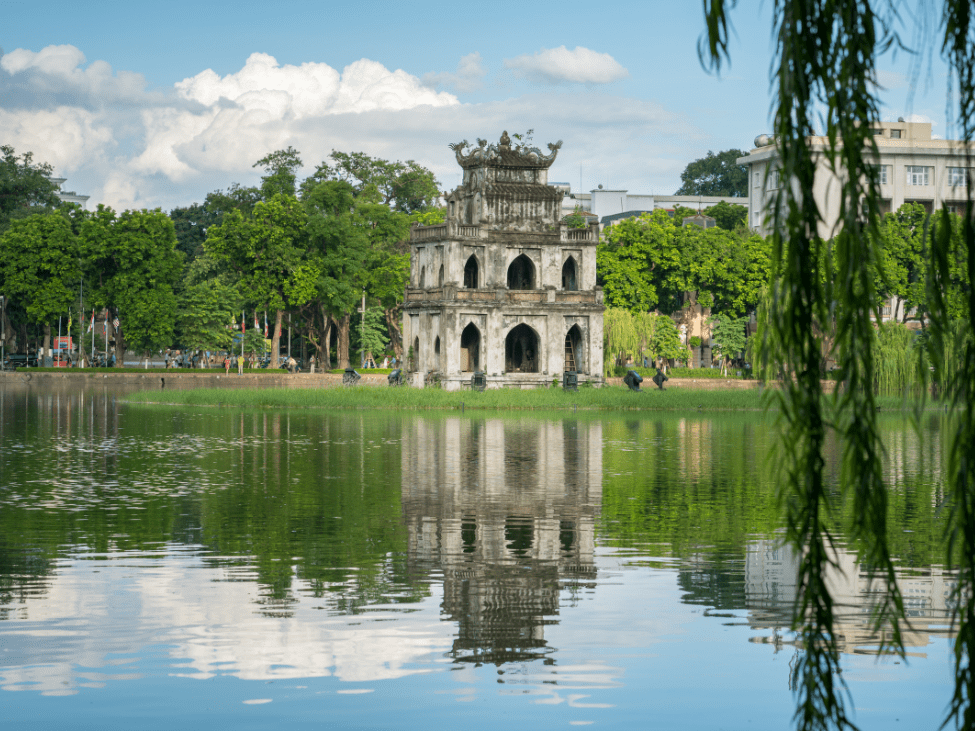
(294, 503)
(507, 519)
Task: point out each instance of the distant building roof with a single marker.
(613, 218)
(700, 220)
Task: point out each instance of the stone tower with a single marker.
(502, 287)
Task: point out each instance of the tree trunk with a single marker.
(119, 346)
(343, 341)
(276, 339)
(45, 346)
(326, 348)
(395, 333)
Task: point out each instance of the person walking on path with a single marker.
(240, 365)
(226, 364)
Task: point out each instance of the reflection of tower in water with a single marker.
(505, 510)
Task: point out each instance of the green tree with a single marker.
(727, 337)
(576, 219)
(265, 250)
(25, 186)
(137, 267)
(206, 311)
(338, 253)
(40, 265)
(651, 261)
(728, 216)
(666, 340)
(370, 333)
(236, 198)
(639, 264)
(727, 269)
(403, 186)
(715, 174)
(280, 173)
(191, 225)
(430, 216)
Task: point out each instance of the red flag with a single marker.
(257, 325)
(265, 324)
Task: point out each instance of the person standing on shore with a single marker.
(226, 364)
(240, 365)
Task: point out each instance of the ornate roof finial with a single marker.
(505, 140)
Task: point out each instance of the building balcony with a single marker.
(504, 296)
(451, 231)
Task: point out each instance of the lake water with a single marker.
(180, 568)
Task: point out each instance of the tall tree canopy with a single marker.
(25, 186)
(715, 174)
(403, 186)
(649, 262)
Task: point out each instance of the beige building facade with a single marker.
(912, 167)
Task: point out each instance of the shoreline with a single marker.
(212, 378)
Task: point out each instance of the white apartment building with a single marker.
(913, 167)
(612, 205)
(69, 196)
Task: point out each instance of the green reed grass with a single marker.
(608, 398)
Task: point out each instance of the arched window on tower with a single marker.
(470, 273)
(570, 280)
(521, 273)
(423, 277)
(440, 277)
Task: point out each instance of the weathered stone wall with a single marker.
(181, 380)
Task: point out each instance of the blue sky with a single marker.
(144, 105)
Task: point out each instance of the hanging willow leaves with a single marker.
(957, 48)
(824, 281)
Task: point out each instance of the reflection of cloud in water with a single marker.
(206, 625)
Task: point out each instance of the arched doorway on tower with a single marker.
(574, 355)
(470, 349)
(521, 350)
(521, 273)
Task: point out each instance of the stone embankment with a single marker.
(187, 379)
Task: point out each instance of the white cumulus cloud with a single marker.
(129, 146)
(468, 77)
(560, 65)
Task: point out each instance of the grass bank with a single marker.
(609, 398)
(139, 369)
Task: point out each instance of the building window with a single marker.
(758, 180)
(918, 175)
(877, 132)
(956, 208)
(882, 174)
(957, 177)
(895, 134)
(773, 180)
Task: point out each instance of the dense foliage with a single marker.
(715, 174)
(649, 263)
